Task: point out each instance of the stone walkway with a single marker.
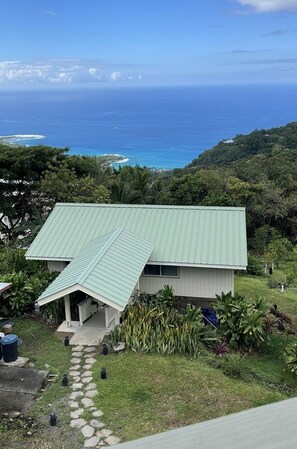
(81, 399)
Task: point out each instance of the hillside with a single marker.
(243, 147)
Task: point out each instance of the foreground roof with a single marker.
(271, 426)
(4, 286)
(189, 235)
(103, 270)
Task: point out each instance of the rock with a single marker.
(104, 433)
(87, 374)
(77, 348)
(29, 433)
(91, 354)
(121, 346)
(73, 404)
(78, 423)
(14, 414)
(92, 442)
(97, 424)
(76, 413)
(87, 367)
(91, 393)
(90, 349)
(47, 366)
(75, 361)
(76, 394)
(90, 361)
(75, 367)
(77, 386)
(87, 380)
(87, 431)
(111, 440)
(77, 354)
(90, 386)
(73, 373)
(97, 413)
(87, 402)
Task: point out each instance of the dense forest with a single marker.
(257, 171)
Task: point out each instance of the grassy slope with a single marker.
(145, 394)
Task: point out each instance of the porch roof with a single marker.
(108, 269)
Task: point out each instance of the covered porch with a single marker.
(107, 271)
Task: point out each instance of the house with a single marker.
(107, 251)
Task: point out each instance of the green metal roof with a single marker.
(196, 236)
(108, 268)
(271, 426)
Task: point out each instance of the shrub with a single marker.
(241, 320)
(291, 358)
(255, 266)
(234, 365)
(159, 329)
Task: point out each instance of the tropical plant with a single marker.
(291, 358)
(165, 297)
(234, 365)
(241, 320)
(148, 328)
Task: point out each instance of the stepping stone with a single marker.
(91, 393)
(90, 349)
(77, 348)
(92, 442)
(76, 379)
(87, 431)
(73, 404)
(91, 386)
(111, 440)
(87, 374)
(75, 367)
(77, 386)
(76, 394)
(87, 366)
(87, 402)
(76, 413)
(90, 361)
(93, 354)
(87, 380)
(97, 424)
(104, 433)
(75, 361)
(78, 423)
(74, 373)
(77, 354)
(97, 414)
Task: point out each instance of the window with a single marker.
(160, 270)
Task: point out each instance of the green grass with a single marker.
(146, 394)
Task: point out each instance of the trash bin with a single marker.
(9, 348)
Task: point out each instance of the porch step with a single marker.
(88, 336)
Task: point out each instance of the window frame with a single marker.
(160, 275)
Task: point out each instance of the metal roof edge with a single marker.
(101, 298)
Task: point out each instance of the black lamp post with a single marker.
(105, 349)
(66, 341)
(65, 380)
(103, 373)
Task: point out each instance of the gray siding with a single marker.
(56, 266)
(193, 282)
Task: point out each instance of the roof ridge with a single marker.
(100, 254)
(151, 206)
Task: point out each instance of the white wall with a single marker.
(86, 309)
(192, 282)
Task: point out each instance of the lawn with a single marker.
(47, 352)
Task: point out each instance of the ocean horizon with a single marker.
(157, 127)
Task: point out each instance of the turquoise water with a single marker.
(157, 127)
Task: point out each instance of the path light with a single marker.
(103, 373)
(105, 349)
(53, 419)
(66, 341)
(65, 380)
(37, 308)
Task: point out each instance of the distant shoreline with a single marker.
(13, 139)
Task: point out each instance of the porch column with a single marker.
(67, 310)
(117, 317)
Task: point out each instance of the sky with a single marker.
(75, 43)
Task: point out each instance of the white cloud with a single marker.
(116, 76)
(63, 72)
(263, 6)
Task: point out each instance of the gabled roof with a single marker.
(108, 269)
(181, 235)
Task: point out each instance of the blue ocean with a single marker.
(162, 127)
